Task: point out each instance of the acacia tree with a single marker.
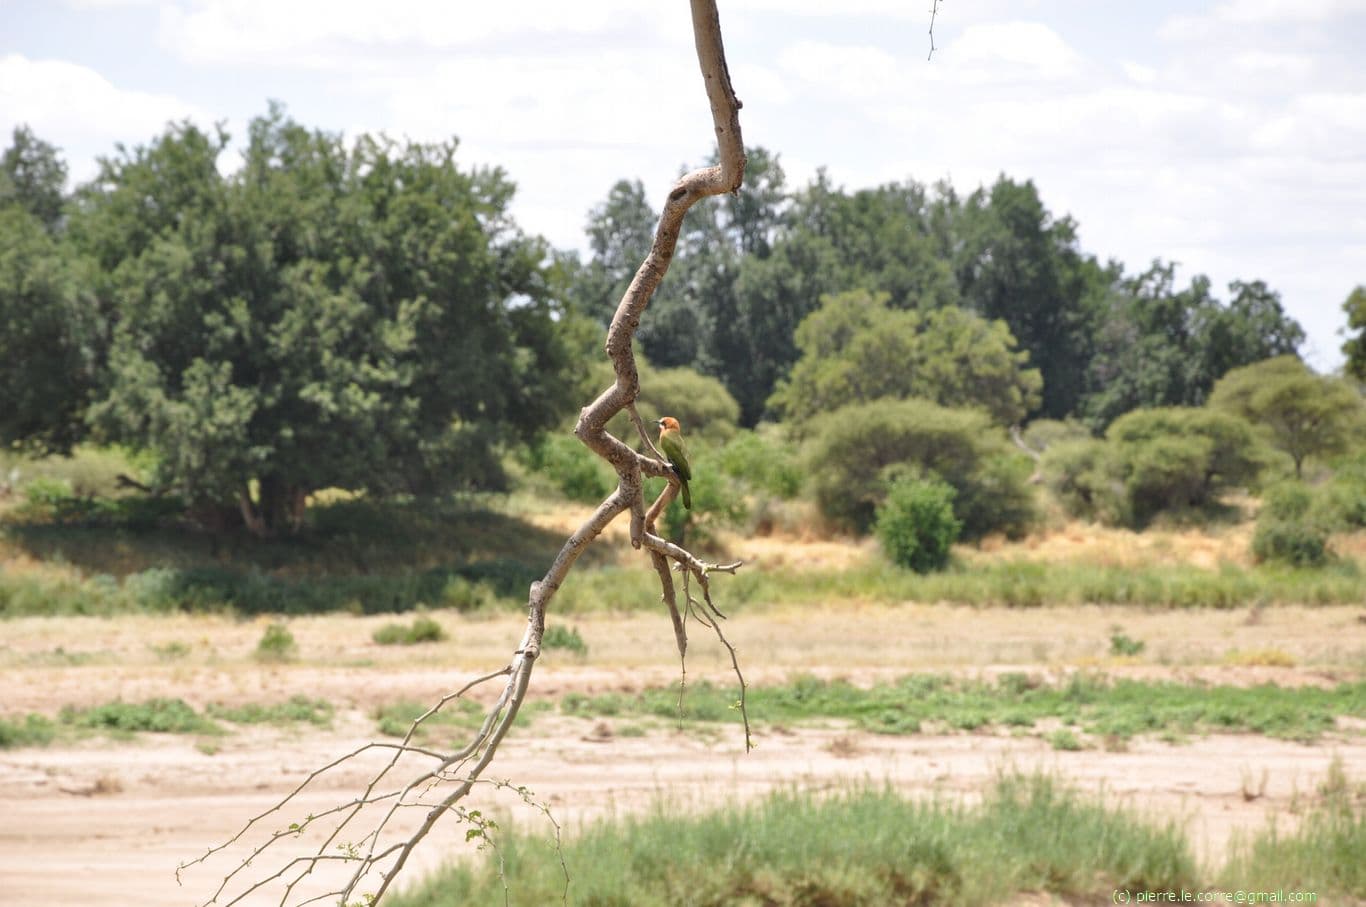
(1302, 414)
(446, 779)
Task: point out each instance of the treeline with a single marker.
(368, 316)
(753, 266)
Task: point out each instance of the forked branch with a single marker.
(437, 789)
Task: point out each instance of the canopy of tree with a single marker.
(854, 349)
(1302, 414)
(367, 317)
(859, 451)
(750, 269)
(1165, 460)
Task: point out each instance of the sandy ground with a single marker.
(103, 823)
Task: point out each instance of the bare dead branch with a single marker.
(373, 855)
(934, 13)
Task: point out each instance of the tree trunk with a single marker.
(278, 507)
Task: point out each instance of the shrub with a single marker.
(762, 462)
(916, 524)
(1153, 461)
(422, 629)
(32, 730)
(276, 644)
(1181, 459)
(576, 471)
(857, 451)
(716, 501)
(1291, 529)
(1342, 501)
(700, 402)
(1080, 476)
(557, 636)
(1291, 542)
(1124, 645)
(161, 716)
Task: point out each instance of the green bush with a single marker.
(1287, 501)
(32, 730)
(1342, 499)
(1122, 644)
(422, 629)
(916, 524)
(1079, 474)
(1299, 544)
(857, 451)
(701, 403)
(1154, 461)
(557, 636)
(717, 500)
(576, 471)
(1178, 459)
(276, 644)
(1291, 527)
(162, 716)
(762, 462)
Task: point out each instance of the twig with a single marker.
(934, 12)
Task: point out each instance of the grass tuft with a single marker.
(422, 629)
(1116, 710)
(860, 846)
(162, 716)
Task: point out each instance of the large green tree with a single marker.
(33, 176)
(1303, 414)
(1162, 346)
(51, 326)
(1016, 262)
(50, 337)
(364, 316)
(855, 349)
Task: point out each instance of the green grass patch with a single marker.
(158, 716)
(30, 730)
(162, 716)
(925, 702)
(1019, 584)
(864, 846)
(422, 629)
(558, 636)
(296, 709)
(1324, 854)
(395, 718)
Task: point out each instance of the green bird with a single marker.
(671, 443)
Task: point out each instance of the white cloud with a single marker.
(1137, 72)
(1012, 50)
(331, 34)
(83, 110)
(1241, 14)
(1264, 12)
(855, 72)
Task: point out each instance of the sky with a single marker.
(1228, 136)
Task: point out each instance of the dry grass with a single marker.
(1082, 543)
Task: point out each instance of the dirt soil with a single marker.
(104, 823)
